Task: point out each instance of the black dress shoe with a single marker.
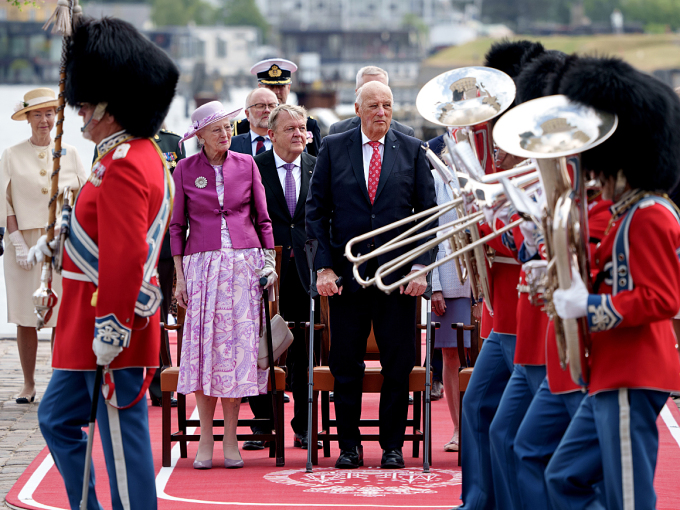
(392, 459)
(158, 402)
(286, 398)
(300, 441)
(350, 459)
(253, 445)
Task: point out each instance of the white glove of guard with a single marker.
(105, 353)
(21, 249)
(573, 302)
(488, 216)
(41, 250)
(528, 229)
(268, 269)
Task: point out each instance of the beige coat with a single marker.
(24, 192)
(25, 182)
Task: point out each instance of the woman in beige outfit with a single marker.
(25, 171)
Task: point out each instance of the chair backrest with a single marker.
(372, 351)
(467, 358)
(275, 306)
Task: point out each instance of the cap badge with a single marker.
(201, 182)
(275, 71)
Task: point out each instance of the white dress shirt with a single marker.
(297, 174)
(367, 152)
(253, 142)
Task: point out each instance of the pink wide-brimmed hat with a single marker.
(205, 115)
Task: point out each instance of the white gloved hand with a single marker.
(105, 353)
(528, 229)
(573, 302)
(488, 216)
(269, 268)
(41, 250)
(21, 249)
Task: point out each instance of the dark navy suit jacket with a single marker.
(242, 143)
(338, 208)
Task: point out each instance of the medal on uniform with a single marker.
(97, 174)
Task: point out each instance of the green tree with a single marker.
(243, 12)
(652, 12)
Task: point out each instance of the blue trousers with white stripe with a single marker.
(485, 389)
(613, 436)
(541, 431)
(65, 409)
(519, 392)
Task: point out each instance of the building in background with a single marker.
(28, 54)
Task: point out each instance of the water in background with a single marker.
(13, 132)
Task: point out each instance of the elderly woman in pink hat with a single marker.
(222, 243)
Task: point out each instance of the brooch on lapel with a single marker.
(201, 182)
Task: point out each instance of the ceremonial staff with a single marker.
(65, 17)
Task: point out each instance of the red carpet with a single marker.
(261, 485)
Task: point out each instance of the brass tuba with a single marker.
(465, 100)
(554, 131)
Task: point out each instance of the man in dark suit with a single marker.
(259, 104)
(364, 179)
(365, 75)
(275, 74)
(286, 171)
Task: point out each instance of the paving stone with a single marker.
(20, 437)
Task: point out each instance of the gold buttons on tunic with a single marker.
(41, 155)
(45, 191)
(43, 172)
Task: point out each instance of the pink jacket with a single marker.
(197, 206)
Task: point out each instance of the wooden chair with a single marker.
(324, 383)
(468, 358)
(169, 380)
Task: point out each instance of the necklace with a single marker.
(41, 149)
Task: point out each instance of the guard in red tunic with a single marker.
(495, 363)
(123, 85)
(633, 361)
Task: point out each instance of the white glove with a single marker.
(573, 302)
(105, 353)
(268, 269)
(41, 250)
(21, 249)
(528, 229)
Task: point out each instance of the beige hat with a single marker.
(36, 98)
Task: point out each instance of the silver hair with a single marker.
(296, 112)
(359, 99)
(370, 71)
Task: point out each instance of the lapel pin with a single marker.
(201, 182)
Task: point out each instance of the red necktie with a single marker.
(374, 171)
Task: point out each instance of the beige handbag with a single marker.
(282, 337)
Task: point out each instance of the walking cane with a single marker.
(311, 246)
(428, 406)
(310, 251)
(90, 436)
(272, 373)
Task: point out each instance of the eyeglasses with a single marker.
(262, 106)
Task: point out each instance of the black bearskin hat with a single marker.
(109, 61)
(542, 76)
(646, 143)
(510, 57)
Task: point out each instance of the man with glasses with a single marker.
(275, 74)
(259, 104)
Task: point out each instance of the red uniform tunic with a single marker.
(559, 380)
(116, 215)
(503, 276)
(633, 343)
